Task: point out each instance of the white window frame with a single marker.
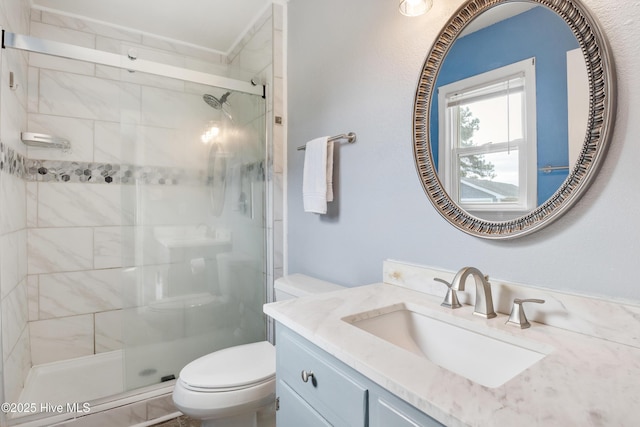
(527, 148)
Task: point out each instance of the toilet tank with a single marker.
(299, 285)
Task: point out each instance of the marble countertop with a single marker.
(584, 381)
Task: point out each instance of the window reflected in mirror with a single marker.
(488, 141)
(474, 69)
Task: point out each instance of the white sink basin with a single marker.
(486, 356)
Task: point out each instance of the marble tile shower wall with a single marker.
(74, 229)
(259, 55)
(15, 359)
(278, 133)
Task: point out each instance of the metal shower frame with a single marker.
(129, 62)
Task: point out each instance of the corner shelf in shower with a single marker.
(43, 140)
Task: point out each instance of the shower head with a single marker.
(218, 103)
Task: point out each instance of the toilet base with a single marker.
(262, 417)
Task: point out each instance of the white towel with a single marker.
(329, 171)
(317, 175)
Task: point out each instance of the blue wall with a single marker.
(538, 33)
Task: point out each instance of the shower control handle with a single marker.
(306, 375)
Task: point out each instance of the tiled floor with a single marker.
(183, 421)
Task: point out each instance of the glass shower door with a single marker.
(193, 234)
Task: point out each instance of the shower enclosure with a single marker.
(146, 245)
(193, 233)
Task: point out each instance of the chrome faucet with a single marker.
(484, 300)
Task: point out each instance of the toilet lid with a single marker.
(232, 367)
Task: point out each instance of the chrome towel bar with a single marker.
(549, 168)
(349, 137)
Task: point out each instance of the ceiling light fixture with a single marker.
(415, 7)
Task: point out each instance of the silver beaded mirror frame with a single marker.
(600, 71)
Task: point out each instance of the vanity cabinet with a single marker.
(316, 389)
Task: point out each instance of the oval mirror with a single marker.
(512, 115)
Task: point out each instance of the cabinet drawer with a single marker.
(387, 410)
(294, 411)
(337, 397)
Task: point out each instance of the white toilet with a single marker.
(235, 387)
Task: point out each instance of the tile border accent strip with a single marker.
(34, 170)
(108, 173)
(12, 162)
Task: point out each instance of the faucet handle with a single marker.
(517, 316)
(451, 299)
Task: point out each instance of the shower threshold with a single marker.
(77, 380)
(90, 386)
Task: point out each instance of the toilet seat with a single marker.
(228, 382)
(230, 369)
(237, 386)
